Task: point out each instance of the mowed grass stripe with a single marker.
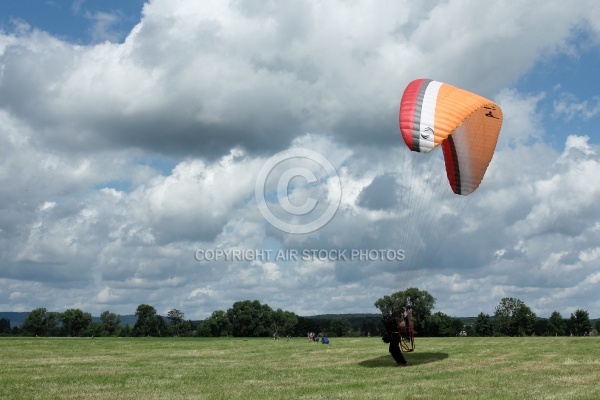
(259, 368)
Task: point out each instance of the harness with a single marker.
(407, 334)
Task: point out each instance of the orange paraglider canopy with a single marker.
(464, 123)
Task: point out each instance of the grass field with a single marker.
(347, 368)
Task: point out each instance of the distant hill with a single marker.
(15, 318)
(470, 320)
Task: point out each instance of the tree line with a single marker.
(250, 318)
(244, 319)
(512, 317)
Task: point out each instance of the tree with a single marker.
(148, 322)
(503, 315)
(524, 320)
(75, 321)
(340, 326)
(540, 327)
(110, 322)
(4, 325)
(126, 331)
(580, 323)
(513, 318)
(186, 328)
(368, 328)
(556, 324)
(305, 325)
(284, 322)
(216, 325)
(457, 326)
(483, 325)
(39, 322)
(162, 329)
(177, 319)
(440, 324)
(250, 319)
(95, 329)
(421, 302)
(469, 330)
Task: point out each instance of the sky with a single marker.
(189, 155)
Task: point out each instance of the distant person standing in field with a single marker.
(393, 335)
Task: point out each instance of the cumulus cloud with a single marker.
(91, 219)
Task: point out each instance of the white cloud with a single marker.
(102, 28)
(571, 108)
(217, 88)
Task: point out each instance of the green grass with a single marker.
(348, 368)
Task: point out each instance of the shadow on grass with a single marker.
(412, 358)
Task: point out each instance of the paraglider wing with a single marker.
(464, 123)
